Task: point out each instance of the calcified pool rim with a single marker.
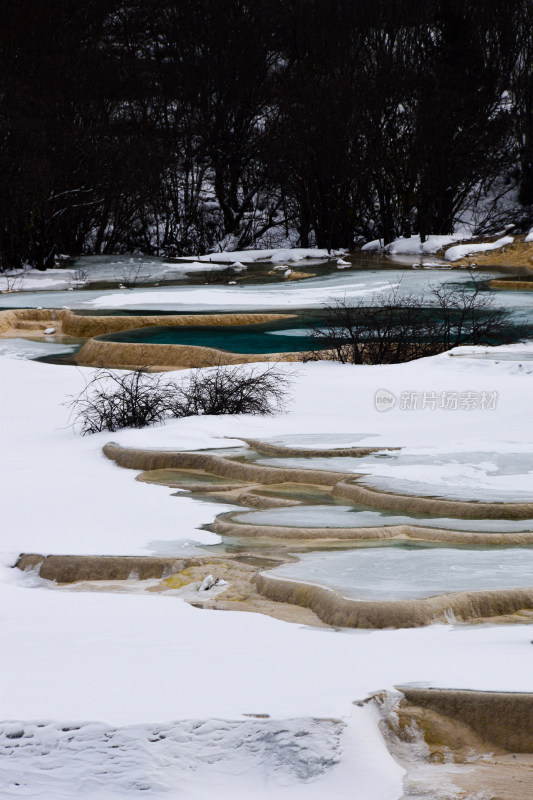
(344, 485)
(261, 592)
(247, 478)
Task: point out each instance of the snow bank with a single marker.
(412, 245)
(462, 250)
(275, 255)
(43, 458)
(125, 659)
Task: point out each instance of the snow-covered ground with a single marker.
(399, 573)
(146, 693)
(413, 245)
(45, 459)
(462, 250)
(275, 256)
(504, 477)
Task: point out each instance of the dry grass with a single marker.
(517, 254)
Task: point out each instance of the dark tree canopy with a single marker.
(176, 126)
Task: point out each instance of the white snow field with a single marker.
(462, 250)
(114, 695)
(413, 245)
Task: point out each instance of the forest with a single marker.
(180, 127)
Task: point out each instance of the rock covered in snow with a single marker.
(462, 250)
(207, 583)
(49, 331)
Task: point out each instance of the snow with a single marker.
(529, 237)
(275, 255)
(413, 245)
(311, 293)
(49, 461)
(195, 759)
(125, 659)
(130, 669)
(328, 399)
(28, 281)
(462, 250)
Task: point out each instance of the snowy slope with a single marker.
(155, 693)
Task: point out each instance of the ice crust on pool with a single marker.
(338, 516)
(25, 348)
(403, 573)
(472, 476)
(311, 293)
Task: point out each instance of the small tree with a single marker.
(394, 328)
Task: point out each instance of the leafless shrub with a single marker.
(241, 389)
(79, 276)
(13, 281)
(133, 275)
(394, 328)
(113, 400)
(216, 275)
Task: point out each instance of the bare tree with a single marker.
(133, 275)
(393, 328)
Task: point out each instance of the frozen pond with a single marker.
(321, 440)
(339, 516)
(310, 293)
(401, 573)
(26, 348)
(476, 476)
(498, 355)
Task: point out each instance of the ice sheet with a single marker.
(338, 516)
(25, 348)
(400, 573)
(472, 476)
